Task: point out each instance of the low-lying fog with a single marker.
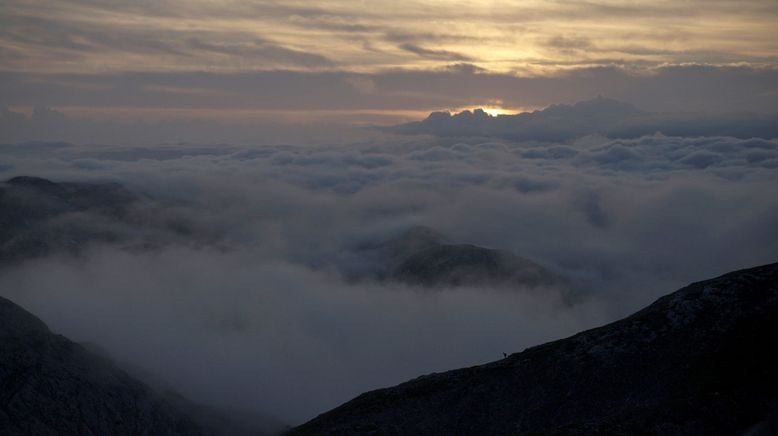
(229, 284)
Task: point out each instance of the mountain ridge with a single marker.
(423, 257)
(693, 362)
(598, 116)
(51, 385)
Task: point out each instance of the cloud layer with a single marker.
(251, 310)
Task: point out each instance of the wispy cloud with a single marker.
(504, 37)
(434, 54)
(261, 50)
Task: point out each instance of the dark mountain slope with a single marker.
(420, 256)
(466, 264)
(50, 385)
(699, 361)
(38, 216)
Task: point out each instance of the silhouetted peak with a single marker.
(32, 181)
(37, 184)
(557, 122)
(440, 115)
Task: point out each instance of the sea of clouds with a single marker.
(249, 307)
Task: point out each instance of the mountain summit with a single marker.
(698, 361)
(420, 256)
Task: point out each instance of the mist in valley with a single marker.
(247, 277)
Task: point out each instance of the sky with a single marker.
(377, 62)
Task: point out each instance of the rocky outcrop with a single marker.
(699, 361)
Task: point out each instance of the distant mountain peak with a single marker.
(556, 122)
(598, 116)
(421, 256)
(30, 181)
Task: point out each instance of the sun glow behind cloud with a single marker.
(376, 61)
(497, 111)
(493, 111)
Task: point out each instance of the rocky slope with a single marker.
(420, 256)
(50, 385)
(699, 361)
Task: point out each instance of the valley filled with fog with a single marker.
(252, 277)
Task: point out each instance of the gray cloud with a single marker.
(569, 44)
(427, 37)
(263, 50)
(59, 35)
(434, 54)
(688, 89)
(53, 38)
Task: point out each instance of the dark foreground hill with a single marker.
(701, 360)
(50, 385)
